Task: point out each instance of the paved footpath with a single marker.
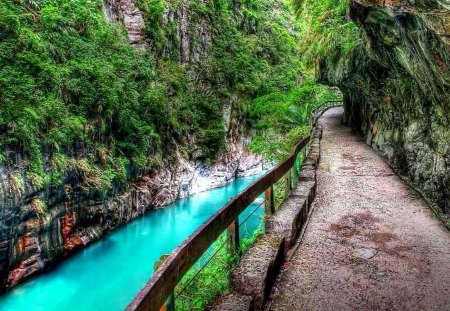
(371, 244)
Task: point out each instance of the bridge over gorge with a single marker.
(366, 242)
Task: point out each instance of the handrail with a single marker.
(319, 110)
(166, 278)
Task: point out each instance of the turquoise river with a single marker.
(109, 273)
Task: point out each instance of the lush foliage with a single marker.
(326, 29)
(203, 283)
(79, 105)
(282, 119)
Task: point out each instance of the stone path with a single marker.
(371, 244)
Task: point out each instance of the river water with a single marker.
(109, 273)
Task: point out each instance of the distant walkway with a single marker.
(371, 243)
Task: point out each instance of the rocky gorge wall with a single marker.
(32, 240)
(396, 86)
(41, 226)
(127, 13)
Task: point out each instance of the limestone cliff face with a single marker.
(32, 240)
(191, 38)
(126, 12)
(396, 87)
(41, 226)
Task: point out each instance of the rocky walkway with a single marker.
(371, 244)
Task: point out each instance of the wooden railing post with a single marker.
(269, 202)
(233, 238)
(296, 175)
(170, 302)
(305, 152)
(287, 183)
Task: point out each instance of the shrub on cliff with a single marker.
(72, 88)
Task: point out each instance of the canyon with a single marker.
(196, 81)
(43, 224)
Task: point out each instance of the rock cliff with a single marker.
(36, 233)
(396, 87)
(127, 13)
(39, 226)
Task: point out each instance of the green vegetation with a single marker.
(71, 86)
(201, 286)
(326, 30)
(281, 119)
(78, 101)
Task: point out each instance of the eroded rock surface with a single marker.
(31, 241)
(396, 87)
(193, 37)
(127, 13)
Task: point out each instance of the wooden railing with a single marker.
(161, 286)
(318, 111)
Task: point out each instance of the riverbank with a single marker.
(108, 273)
(38, 233)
